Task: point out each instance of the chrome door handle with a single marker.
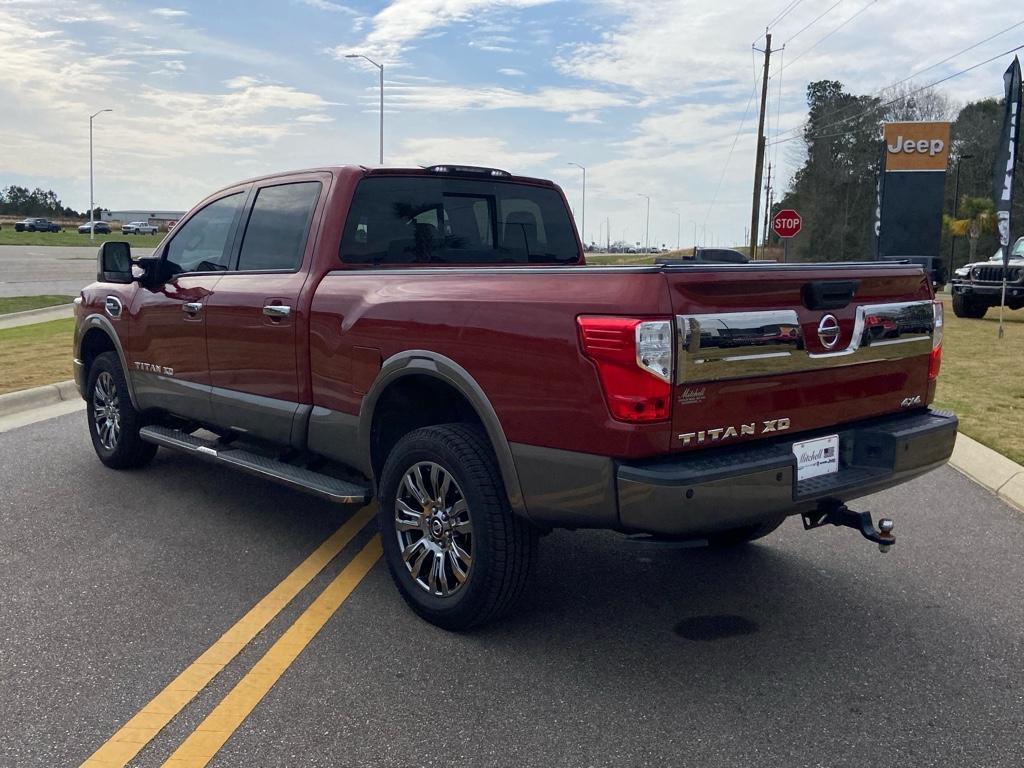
(276, 310)
(191, 307)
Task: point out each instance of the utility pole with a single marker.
(759, 162)
(768, 191)
(608, 234)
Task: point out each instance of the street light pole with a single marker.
(956, 201)
(647, 225)
(381, 68)
(92, 205)
(583, 207)
(679, 225)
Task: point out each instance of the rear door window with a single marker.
(425, 219)
(275, 237)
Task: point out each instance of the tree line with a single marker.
(837, 158)
(20, 201)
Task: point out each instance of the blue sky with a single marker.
(648, 95)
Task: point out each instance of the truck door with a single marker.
(167, 343)
(255, 321)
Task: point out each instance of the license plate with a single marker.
(817, 457)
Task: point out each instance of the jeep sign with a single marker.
(786, 223)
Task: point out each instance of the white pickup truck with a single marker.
(139, 228)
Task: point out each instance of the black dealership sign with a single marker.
(911, 188)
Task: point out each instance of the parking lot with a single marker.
(33, 270)
(806, 649)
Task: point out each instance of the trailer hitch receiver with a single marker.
(830, 512)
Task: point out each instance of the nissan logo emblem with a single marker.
(828, 331)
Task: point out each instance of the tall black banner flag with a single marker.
(1006, 160)
(1007, 156)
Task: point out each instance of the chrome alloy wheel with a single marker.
(434, 532)
(106, 411)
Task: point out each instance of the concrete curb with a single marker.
(37, 397)
(34, 312)
(989, 469)
(33, 316)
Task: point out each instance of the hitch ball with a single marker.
(885, 526)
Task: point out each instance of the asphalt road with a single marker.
(30, 270)
(809, 649)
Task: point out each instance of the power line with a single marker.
(784, 13)
(827, 36)
(882, 91)
(735, 139)
(919, 72)
(816, 19)
(893, 101)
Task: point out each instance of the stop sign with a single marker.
(786, 223)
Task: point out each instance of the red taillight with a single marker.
(935, 362)
(634, 359)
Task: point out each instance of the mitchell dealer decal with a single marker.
(691, 395)
(723, 433)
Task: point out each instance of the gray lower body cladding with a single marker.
(715, 490)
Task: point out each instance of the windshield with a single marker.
(1017, 252)
(417, 219)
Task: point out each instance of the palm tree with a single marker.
(978, 218)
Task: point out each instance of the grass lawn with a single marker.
(982, 378)
(70, 236)
(25, 303)
(33, 355)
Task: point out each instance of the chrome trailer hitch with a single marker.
(832, 512)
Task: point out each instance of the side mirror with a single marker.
(156, 271)
(115, 263)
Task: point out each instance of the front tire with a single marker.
(458, 555)
(965, 306)
(114, 423)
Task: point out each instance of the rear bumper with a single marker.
(727, 488)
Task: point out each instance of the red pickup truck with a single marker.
(433, 338)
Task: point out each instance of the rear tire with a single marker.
(441, 486)
(748, 533)
(965, 306)
(114, 423)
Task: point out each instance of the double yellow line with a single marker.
(211, 734)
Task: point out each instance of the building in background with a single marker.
(159, 219)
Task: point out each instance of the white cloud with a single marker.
(328, 5)
(450, 97)
(511, 72)
(169, 13)
(583, 117)
(403, 22)
(485, 151)
(314, 117)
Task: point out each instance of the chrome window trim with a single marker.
(728, 357)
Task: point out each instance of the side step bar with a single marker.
(324, 486)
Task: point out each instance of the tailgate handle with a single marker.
(829, 294)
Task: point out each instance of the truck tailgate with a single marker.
(764, 350)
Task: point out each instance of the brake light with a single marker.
(935, 362)
(634, 359)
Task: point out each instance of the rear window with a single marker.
(422, 219)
